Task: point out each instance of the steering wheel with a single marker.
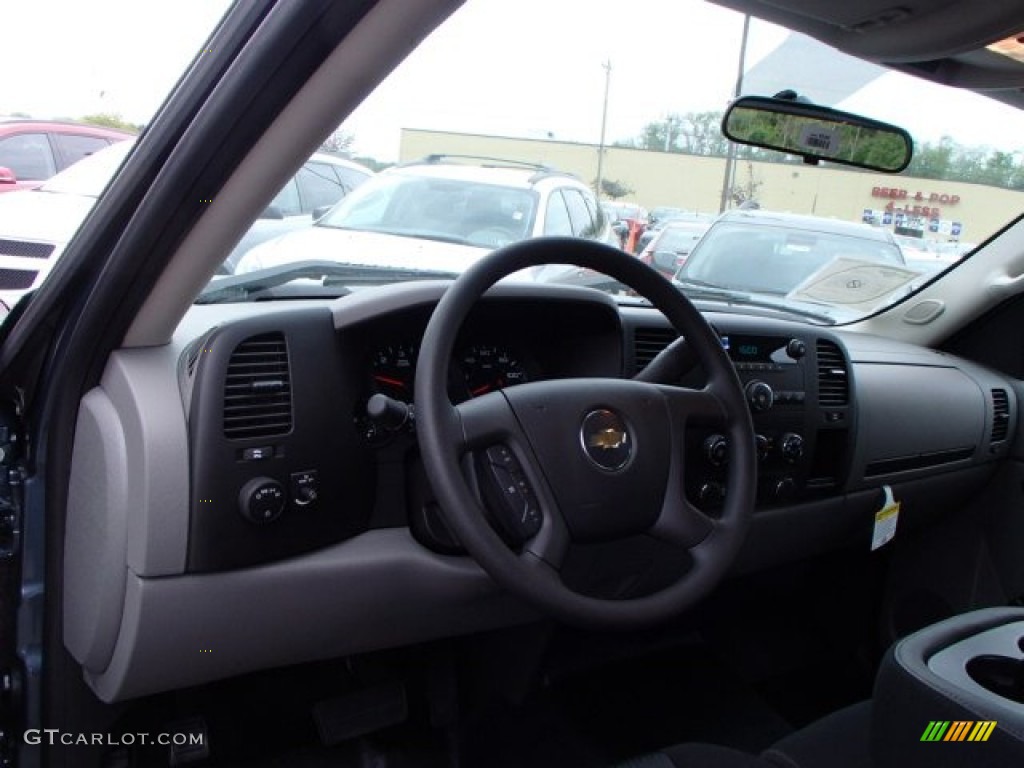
(586, 459)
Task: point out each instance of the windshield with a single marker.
(681, 237)
(774, 256)
(499, 128)
(439, 208)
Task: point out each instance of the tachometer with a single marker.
(394, 368)
(486, 368)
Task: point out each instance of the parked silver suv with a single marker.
(458, 208)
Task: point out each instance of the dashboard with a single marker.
(245, 469)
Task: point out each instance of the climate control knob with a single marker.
(716, 450)
(261, 500)
(762, 447)
(791, 446)
(760, 396)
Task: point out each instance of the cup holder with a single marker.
(1000, 674)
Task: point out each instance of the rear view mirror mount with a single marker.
(817, 133)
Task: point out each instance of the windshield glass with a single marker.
(777, 256)
(499, 128)
(441, 208)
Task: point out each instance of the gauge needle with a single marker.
(389, 380)
(480, 390)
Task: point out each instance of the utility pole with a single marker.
(730, 160)
(604, 124)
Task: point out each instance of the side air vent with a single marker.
(833, 375)
(648, 342)
(257, 389)
(1000, 416)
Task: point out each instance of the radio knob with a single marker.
(760, 396)
(796, 349)
(791, 445)
(716, 450)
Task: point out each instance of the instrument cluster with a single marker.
(475, 370)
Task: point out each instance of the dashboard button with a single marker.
(258, 454)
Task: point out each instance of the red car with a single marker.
(31, 151)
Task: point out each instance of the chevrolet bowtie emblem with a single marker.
(608, 438)
(605, 439)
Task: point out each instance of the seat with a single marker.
(839, 740)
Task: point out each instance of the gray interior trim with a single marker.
(951, 663)
(378, 590)
(95, 533)
(143, 387)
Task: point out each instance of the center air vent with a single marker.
(648, 342)
(1000, 416)
(833, 375)
(257, 389)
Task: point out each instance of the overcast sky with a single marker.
(523, 68)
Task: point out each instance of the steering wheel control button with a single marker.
(716, 450)
(512, 498)
(503, 457)
(305, 488)
(606, 440)
(261, 500)
(760, 396)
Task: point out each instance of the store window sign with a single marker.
(933, 198)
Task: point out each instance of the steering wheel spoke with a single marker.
(487, 421)
(682, 523)
(701, 405)
(669, 365)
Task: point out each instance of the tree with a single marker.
(111, 120)
(339, 142)
(934, 161)
(744, 194)
(693, 133)
(615, 189)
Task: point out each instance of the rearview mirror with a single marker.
(818, 133)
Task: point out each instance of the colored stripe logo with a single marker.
(958, 730)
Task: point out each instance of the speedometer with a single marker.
(486, 367)
(394, 367)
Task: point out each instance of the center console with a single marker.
(797, 390)
(952, 694)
